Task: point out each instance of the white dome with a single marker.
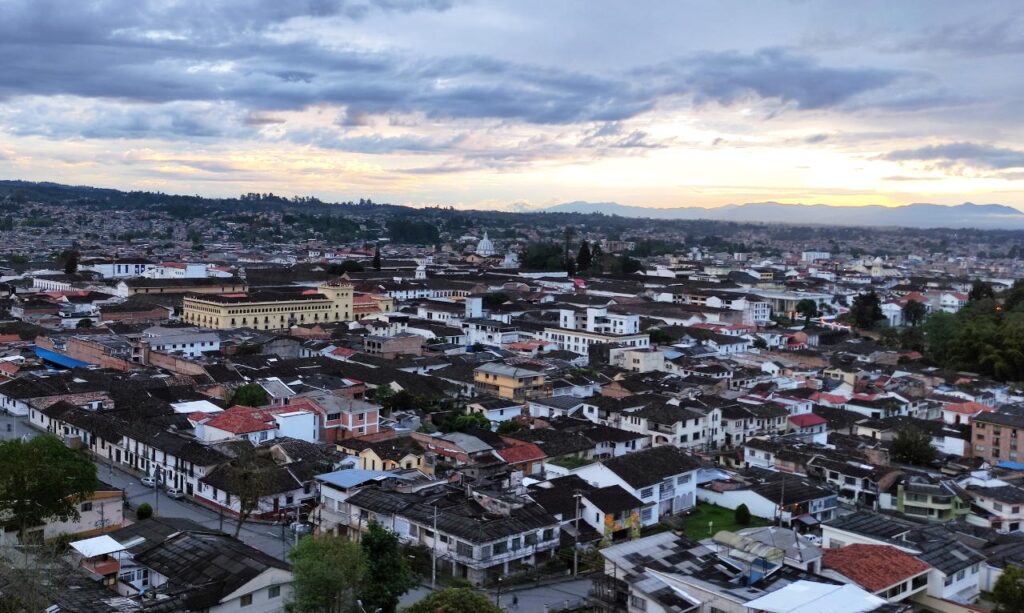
(485, 247)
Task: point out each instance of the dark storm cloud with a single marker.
(972, 155)
(777, 74)
(159, 52)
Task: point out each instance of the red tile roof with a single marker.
(968, 408)
(806, 420)
(243, 420)
(873, 567)
(521, 453)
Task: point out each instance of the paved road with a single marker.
(544, 598)
(265, 537)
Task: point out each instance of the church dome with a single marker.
(485, 247)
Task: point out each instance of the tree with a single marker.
(542, 256)
(69, 258)
(808, 308)
(493, 300)
(914, 312)
(455, 600)
(1008, 592)
(980, 291)
(463, 422)
(912, 446)
(85, 322)
(597, 257)
(43, 480)
(344, 267)
(328, 575)
(250, 395)
(760, 343)
(509, 426)
(145, 511)
(742, 515)
(625, 265)
(660, 337)
(376, 257)
(866, 310)
(387, 572)
(248, 477)
(583, 258)
(1014, 297)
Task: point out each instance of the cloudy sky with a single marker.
(485, 104)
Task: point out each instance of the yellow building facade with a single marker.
(270, 310)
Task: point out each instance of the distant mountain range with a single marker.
(967, 215)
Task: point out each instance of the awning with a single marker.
(97, 546)
(809, 520)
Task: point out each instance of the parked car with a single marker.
(301, 528)
(148, 481)
(175, 493)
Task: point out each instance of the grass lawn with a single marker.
(696, 523)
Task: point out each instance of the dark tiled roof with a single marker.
(613, 499)
(651, 466)
(215, 564)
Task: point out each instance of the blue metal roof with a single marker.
(59, 358)
(1011, 465)
(352, 477)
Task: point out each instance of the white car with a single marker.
(175, 493)
(148, 481)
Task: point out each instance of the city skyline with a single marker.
(480, 105)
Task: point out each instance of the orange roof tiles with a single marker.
(874, 567)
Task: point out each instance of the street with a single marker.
(545, 597)
(265, 537)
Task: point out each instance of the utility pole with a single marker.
(433, 554)
(284, 543)
(156, 490)
(576, 538)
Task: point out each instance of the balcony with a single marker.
(102, 566)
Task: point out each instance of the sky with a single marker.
(479, 104)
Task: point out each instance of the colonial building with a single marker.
(277, 309)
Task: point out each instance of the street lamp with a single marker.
(360, 603)
(497, 597)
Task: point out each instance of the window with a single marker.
(274, 591)
(647, 492)
(647, 514)
(245, 600)
(86, 506)
(683, 479)
(638, 603)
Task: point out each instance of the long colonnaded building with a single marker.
(271, 309)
